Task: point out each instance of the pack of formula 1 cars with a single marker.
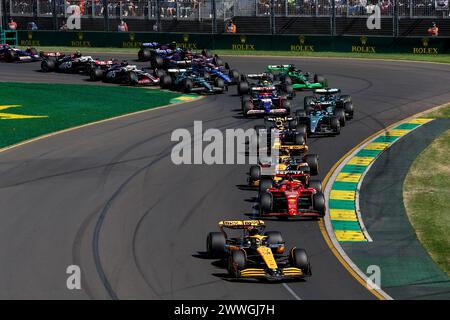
(284, 173)
(171, 67)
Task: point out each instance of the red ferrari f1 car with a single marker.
(291, 199)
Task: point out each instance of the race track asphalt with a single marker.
(108, 198)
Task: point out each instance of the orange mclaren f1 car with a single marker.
(255, 253)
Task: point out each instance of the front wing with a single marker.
(283, 274)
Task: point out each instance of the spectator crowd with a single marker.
(202, 8)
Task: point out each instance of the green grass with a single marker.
(442, 58)
(65, 106)
(426, 195)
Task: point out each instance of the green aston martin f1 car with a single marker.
(287, 73)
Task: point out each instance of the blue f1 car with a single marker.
(265, 100)
(11, 54)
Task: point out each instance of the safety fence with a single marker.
(335, 17)
(205, 9)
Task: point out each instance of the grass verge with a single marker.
(29, 110)
(442, 58)
(426, 194)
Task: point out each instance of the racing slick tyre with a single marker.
(243, 88)
(48, 65)
(335, 125)
(234, 75)
(236, 262)
(11, 56)
(255, 173)
(340, 113)
(292, 124)
(319, 203)
(245, 98)
(300, 113)
(302, 128)
(159, 73)
(96, 74)
(287, 106)
(313, 163)
(286, 80)
(187, 85)
(246, 108)
(307, 101)
(274, 237)
(346, 98)
(264, 185)
(299, 259)
(132, 78)
(299, 139)
(215, 244)
(289, 90)
(315, 184)
(165, 82)
(265, 202)
(218, 62)
(320, 79)
(144, 54)
(219, 83)
(348, 108)
(157, 62)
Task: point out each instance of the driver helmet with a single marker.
(124, 63)
(252, 231)
(256, 242)
(77, 54)
(265, 82)
(279, 124)
(173, 45)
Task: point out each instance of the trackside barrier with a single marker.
(241, 42)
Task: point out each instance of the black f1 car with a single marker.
(127, 74)
(187, 80)
(74, 63)
(11, 54)
(330, 97)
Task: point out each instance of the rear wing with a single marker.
(327, 91)
(290, 147)
(150, 45)
(274, 119)
(240, 224)
(264, 88)
(292, 173)
(280, 67)
(56, 54)
(103, 62)
(175, 70)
